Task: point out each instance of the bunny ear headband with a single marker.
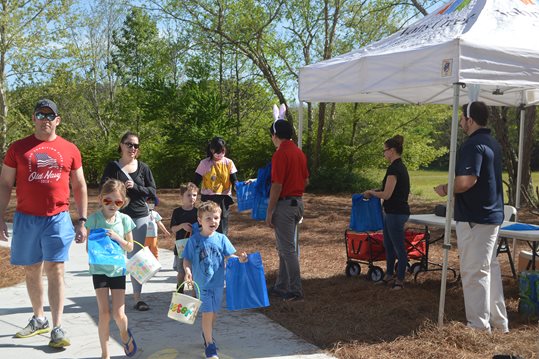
(278, 114)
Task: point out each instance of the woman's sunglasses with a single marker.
(118, 203)
(132, 145)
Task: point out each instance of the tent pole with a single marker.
(520, 154)
(518, 188)
(300, 123)
(449, 211)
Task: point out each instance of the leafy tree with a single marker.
(505, 122)
(249, 27)
(90, 46)
(29, 34)
(138, 61)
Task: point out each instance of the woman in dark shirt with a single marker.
(140, 185)
(396, 188)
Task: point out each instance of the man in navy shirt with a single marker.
(479, 213)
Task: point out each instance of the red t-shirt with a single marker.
(43, 172)
(289, 168)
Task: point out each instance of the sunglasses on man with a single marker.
(48, 116)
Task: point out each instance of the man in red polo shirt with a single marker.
(43, 165)
(289, 176)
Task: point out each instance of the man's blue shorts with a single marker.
(212, 299)
(41, 238)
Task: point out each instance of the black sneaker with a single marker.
(272, 292)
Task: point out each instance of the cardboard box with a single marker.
(524, 259)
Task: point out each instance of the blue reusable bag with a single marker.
(262, 191)
(366, 214)
(528, 305)
(105, 255)
(246, 283)
(245, 193)
(260, 207)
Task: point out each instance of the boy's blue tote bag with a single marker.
(366, 214)
(245, 283)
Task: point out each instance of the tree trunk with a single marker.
(330, 123)
(309, 142)
(3, 118)
(501, 125)
(3, 105)
(355, 123)
(319, 133)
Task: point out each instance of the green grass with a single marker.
(422, 183)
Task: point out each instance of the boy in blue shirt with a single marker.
(204, 260)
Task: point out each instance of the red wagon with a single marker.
(368, 247)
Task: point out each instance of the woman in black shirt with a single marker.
(396, 188)
(138, 179)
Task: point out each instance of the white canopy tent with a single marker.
(485, 44)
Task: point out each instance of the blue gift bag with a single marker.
(366, 214)
(245, 193)
(246, 283)
(261, 193)
(260, 207)
(105, 256)
(528, 283)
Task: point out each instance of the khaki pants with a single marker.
(481, 276)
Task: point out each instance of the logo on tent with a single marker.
(456, 5)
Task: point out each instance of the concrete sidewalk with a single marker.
(239, 335)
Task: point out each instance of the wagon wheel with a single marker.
(352, 269)
(375, 274)
(416, 268)
(408, 268)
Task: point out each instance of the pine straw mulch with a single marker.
(351, 317)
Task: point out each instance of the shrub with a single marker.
(340, 180)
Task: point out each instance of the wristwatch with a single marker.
(83, 219)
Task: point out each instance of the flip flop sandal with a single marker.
(131, 340)
(141, 306)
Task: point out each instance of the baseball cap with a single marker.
(46, 103)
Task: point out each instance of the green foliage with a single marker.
(137, 58)
(336, 179)
(252, 151)
(197, 69)
(355, 138)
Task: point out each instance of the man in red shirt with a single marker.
(289, 176)
(43, 164)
